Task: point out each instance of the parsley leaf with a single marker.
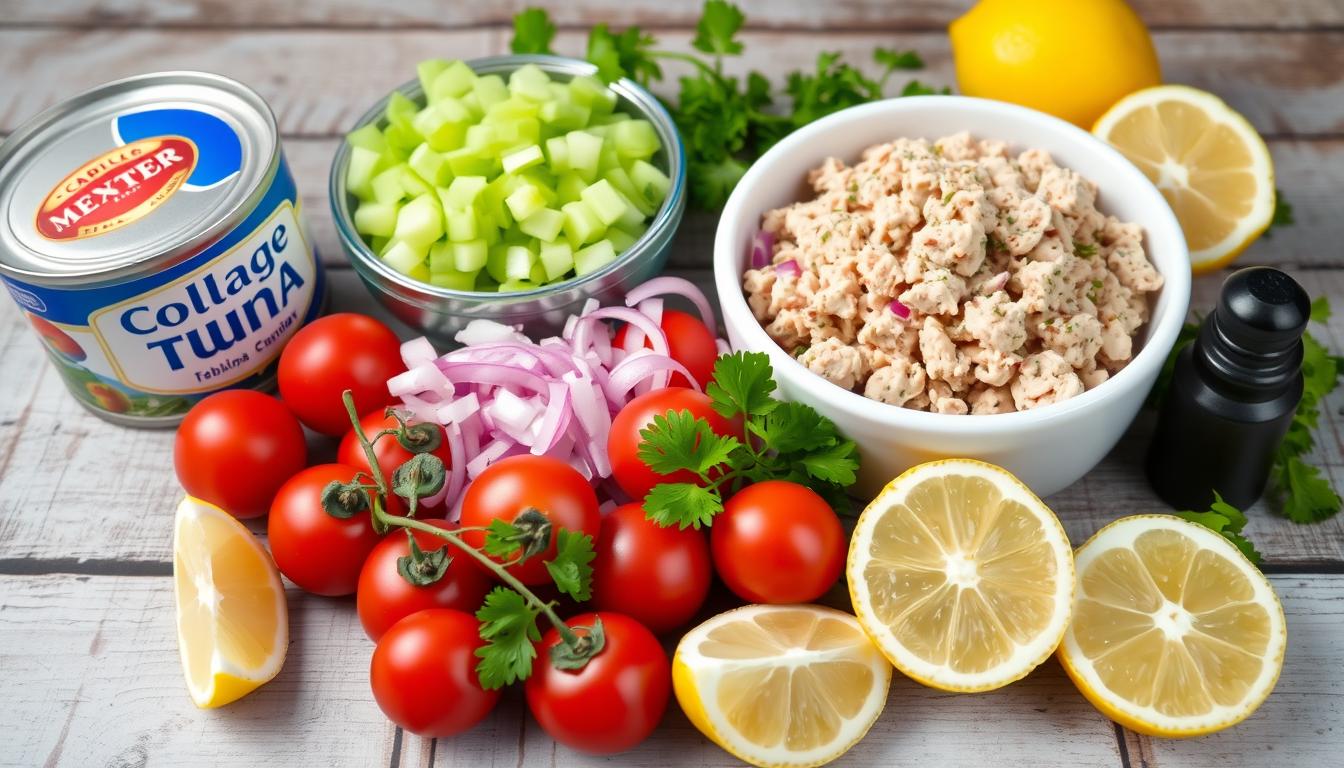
(1227, 520)
(794, 427)
(624, 54)
(917, 88)
(742, 385)
(677, 441)
(684, 505)
(718, 25)
(532, 32)
(1320, 310)
(1283, 213)
(892, 59)
(1309, 497)
(571, 570)
(837, 464)
(509, 629)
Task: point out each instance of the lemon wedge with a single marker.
(781, 685)
(1210, 164)
(1175, 632)
(961, 575)
(232, 627)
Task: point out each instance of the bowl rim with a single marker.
(667, 217)
(1163, 228)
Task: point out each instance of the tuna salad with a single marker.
(953, 277)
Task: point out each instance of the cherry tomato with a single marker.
(333, 354)
(632, 474)
(509, 487)
(320, 553)
(236, 448)
(385, 596)
(777, 542)
(423, 674)
(615, 700)
(655, 575)
(689, 342)
(389, 452)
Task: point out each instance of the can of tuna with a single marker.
(151, 235)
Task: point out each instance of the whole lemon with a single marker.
(1070, 58)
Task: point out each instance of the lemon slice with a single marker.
(1210, 164)
(961, 575)
(232, 628)
(781, 685)
(1174, 632)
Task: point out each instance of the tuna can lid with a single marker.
(132, 175)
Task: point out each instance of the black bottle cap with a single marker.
(1253, 338)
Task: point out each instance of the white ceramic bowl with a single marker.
(1048, 447)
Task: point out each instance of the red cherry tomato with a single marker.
(631, 473)
(333, 354)
(385, 596)
(777, 542)
(236, 448)
(689, 342)
(320, 553)
(423, 674)
(389, 452)
(615, 700)
(655, 575)
(509, 487)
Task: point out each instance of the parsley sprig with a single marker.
(1227, 520)
(780, 441)
(509, 613)
(726, 121)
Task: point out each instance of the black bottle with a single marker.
(1233, 394)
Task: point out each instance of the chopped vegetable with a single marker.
(1225, 519)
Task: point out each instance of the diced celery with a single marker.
(510, 110)
(454, 280)
(556, 259)
(443, 124)
(495, 261)
(359, 174)
(525, 201)
(490, 231)
(453, 81)
(427, 70)
(403, 256)
(400, 110)
(518, 261)
(621, 240)
(594, 257)
(565, 115)
(376, 219)
(369, 137)
(592, 93)
(517, 134)
(402, 138)
(581, 224)
(472, 104)
(557, 154)
(607, 120)
(490, 90)
(413, 184)
(464, 190)
(632, 218)
(607, 159)
(470, 162)
(430, 165)
(419, 272)
(469, 256)
(461, 225)
(521, 159)
(483, 137)
(440, 257)
(605, 201)
(635, 138)
(420, 222)
(651, 183)
(530, 82)
(621, 181)
(387, 186)
(584, 150)
(544, 224)
(378, 244)
(517, 285)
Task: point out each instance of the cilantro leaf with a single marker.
(742, 385)
(678, 440)
(1283, 213)
(917, 88)
(718, 25)
(1320, 310)
(1224, 519)
(624, 54)
(837, 464)
(532, 32)
(570, 570)
(794, 427)
(833, 86)
(1307, 496)
(684, 505)
(712, 183)
(530, 532)
(892, 59)
(509, 629)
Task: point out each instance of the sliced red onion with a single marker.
(421, 377)
(457, 411)
(488, 455)
(898, 309)
(457, 471)
(722, 347)
(673, 286)
(417, 351)
(488, 331)
(583, 331)
(762, 249)
(789, 268)
(644, 366)
(996, 283)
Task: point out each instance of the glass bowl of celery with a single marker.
(510, 188)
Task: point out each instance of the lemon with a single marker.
(1211, 165)
(961, 575)
(232, 628)
(781, 685)
(1174, 632)
(1070, 58)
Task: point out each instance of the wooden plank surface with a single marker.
(770, 14)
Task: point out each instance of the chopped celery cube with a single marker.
(594, 257)
(461, 224)
(610, 119)
(584, 149)
(525, 201)
(376, 219)
(472, 104)
(530, 82)
(413, 184)
(420, 222)
(565, 115)
(400, 110)
(483, 137)
(490, 231)
(403, 256)
(620, 239)
(495, 261)
(557, 154)
(469, 256)
(592, 93)
(402, 138)
(538, 274)
(464, 190)
(651, 183)
(607, 159)
(556, 259)
(429, 69)
(543, 224)
(443, 124)
(453, 280)
(568, 188)
(621, 181)
(453, 81)
(517, 285)
(510, 110)
(419, 272)
(518, 261)
(521, 159)
(440, 257)
(632, 218)
(605, 201)
(378, 244)
(517, 134)
(359, 174)
(470, 162)
(581, 224)
(490, 90)
(387, 186)
(369, 137)
(430, 165)
(635, 138)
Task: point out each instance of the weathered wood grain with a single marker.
(769, 14)
(320, 81)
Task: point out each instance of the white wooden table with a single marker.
(89, 674)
